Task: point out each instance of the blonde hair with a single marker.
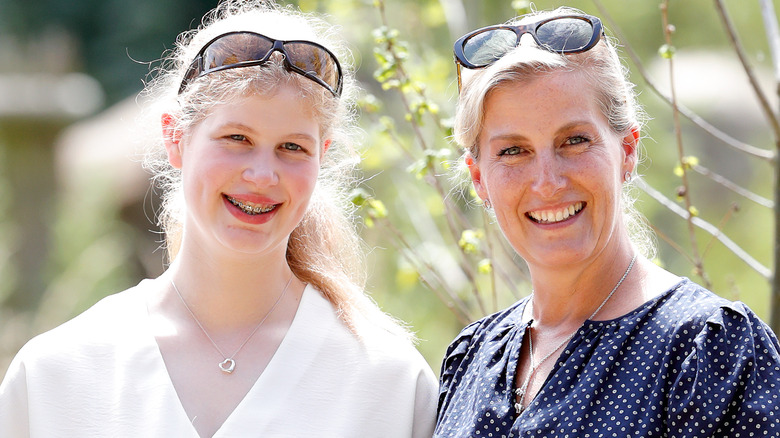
(324, 249)
(602, 68)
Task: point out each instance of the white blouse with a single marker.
(102, 375)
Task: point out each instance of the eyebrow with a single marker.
(520, 137)
(241, 126)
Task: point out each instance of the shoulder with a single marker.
(369, 343)
(373, 357)
(700, 324)
(727, 362)
(691, 306)
(491, 329)
(487, 328)
(103, 324)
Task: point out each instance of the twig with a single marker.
(706, 226)
(772, 34)
(765, 106)
(773, 37)
(669, 240)
(725, 182)
(460, 309)
(726, 218)
(698, 263)
(754, 151)
(452, 211)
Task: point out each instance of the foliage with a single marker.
(437, 258)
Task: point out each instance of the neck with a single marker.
(566, 296)
(231, 293)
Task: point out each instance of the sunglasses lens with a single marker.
(486, 47)
(244, 49)
(565, 34)
(234, 49)
(314, 61)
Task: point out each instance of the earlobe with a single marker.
(172, 139)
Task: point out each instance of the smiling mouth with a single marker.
(554, 216)
(250, 208)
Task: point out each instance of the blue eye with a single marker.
(513, 150)
(292, 146)
(577, 139)
(237, 137)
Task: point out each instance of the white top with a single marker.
(102, 375)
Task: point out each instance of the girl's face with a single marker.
(248, 173)
(553, 168)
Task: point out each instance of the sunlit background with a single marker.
(77, 209)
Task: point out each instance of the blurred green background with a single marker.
(77, 210)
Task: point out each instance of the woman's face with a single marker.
(552, 169)
(248, 172)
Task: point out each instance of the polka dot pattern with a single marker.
(685, 364)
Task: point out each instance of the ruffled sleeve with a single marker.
(729, 384)
(450, 368)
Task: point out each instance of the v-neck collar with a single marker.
(251, 409)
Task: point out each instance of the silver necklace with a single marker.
(228, 365)
(521, 391)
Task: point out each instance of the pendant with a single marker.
(228, 365)
(520, 394)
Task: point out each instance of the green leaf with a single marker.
(667, 51)
(376, 208)
(485, 266)
(521, 7)
(359, 196)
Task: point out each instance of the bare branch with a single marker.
(698, 261)
(772, 34)
(690, 115)
(706, 226)
(727, 217)
(768, 111)
(725, 182)
(452, 300)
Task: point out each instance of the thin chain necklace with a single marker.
(521, 391)
(228, 365)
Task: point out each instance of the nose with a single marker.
(261, 168)
(548, 178)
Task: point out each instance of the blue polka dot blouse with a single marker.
(685, 364)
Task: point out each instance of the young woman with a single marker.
(609, 344)
(260, 326)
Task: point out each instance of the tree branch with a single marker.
(706, 226)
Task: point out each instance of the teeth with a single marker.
(250, 208)
(552, 216)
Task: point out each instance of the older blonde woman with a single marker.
(608, 344)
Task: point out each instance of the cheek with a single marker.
(502, 183)
(304, 179)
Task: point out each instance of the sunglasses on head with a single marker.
(562, 34)
(245, 49)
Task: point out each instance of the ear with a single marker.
(172, 139)
(631, 150)
(325, 146)
(476, 175)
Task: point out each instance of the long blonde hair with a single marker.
(324, 249)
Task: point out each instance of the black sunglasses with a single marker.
(562, 34)
(244, 49)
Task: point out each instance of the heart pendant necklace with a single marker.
(228, 365)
